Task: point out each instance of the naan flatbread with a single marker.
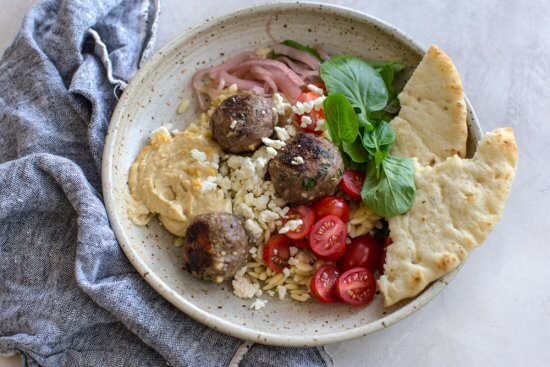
(458, 202)
(431, 124)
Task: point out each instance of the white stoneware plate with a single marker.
(151, 100)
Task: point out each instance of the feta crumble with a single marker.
(296, 161)
(258, 304)
(280, 105)
(305, 122)
(282, 133)
(198, 155)
(293, 250)
(276, 144)
(286, 272)
(233, 124)
(242, 287)
(291, 225)
(315, 89)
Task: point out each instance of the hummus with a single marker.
(176, 177)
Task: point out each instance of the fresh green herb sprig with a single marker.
(361, 97)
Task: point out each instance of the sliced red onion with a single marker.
(322, 52)
(259, 73)
(197, 78)
(297, 55)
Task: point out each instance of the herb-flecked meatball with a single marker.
(215, 246)
(306, 169)
(242, 120)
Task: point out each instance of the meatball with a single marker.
(215, 246)
(242, 120)
(306, 169)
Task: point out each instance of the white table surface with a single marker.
(496, 312)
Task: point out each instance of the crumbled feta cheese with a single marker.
(258, 304)
(305, 122)
(286, 272)
(281, 133)
(315, 89)
(301, 108)
(279, 104)
(233, 124)
(318, 103)
(271, 293)
(296, 161)
(277, 144)
(208, 186)
(281, 290)
(198, 155)
(293, 250)
(244, 210)
(291, 225)
(253, 229)
(271, 152)
(242, 287)
(253, 250)
(291, 130)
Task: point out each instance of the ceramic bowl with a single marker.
(151, 100)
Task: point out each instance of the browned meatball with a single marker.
(215, 246)
(306, 169)
(242, 120)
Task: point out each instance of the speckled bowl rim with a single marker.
(183, 304)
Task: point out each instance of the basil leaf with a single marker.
(341, 120)
(379, 64)
(364, 88)
(356, 151)
(392, 193)
(297, 45)
(378, 142)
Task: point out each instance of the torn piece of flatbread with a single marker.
(458, 202)
(431, 124)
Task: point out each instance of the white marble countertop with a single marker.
(496, 312)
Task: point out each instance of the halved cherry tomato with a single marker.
(303, 244)
(323, 284)
(328, 238)
(352, 183)
(306, 214)
(363, 251)
(313, 115)
(331, 205)
(277, 252)
(356, 286)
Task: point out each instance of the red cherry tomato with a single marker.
(314, 115)
(363, 251)
(352, 183)
(306, 214)
(323, 284)
(332, 205)
(277, 252)
(303, 244)
(356, 286)
(328, 238)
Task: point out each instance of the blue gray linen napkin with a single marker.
(68, 295)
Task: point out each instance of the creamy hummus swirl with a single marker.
(175, 177)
